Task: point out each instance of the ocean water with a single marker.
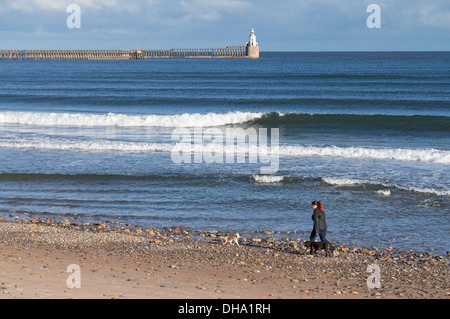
(368, 134)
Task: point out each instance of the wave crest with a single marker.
(420, 155)
(122, 120)
(400, 154)
(268, 179)
(386, 187)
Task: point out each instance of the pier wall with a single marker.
(65, 54)
(228, 52)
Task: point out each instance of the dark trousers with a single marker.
(322, 233)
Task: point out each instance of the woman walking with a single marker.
(320, 223)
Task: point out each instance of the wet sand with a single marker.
(125, 261)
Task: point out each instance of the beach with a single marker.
(124, 261)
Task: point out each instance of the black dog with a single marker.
(314, 246)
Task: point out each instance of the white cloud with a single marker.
(432, 16)
(61, 5)
(212, 10)
(161, 12)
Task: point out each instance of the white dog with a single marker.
(232, 239)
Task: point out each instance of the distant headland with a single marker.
(249, 50)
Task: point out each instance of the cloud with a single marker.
(434, 13)
(200, 7)
(433, 16)
(61, 5)
(212, 10)
(287, 24)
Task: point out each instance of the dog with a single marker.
(232, 239)
(315, 245)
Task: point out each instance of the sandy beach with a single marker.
(125, 261)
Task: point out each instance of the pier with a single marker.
(228, 52)
(249, 50)
(65, 54)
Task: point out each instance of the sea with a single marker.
(365, 133)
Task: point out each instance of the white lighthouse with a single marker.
(252, 46)
(252, 39)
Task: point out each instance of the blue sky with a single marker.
(282, 25)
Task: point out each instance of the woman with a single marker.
(320, 223)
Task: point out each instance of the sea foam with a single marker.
(400, 154)
(123, 120)
(267, 179)
(385, 192)
(421, 155)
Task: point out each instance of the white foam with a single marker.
(267, 179)
(345, 181)
(426, 190)
(384, 192)
(350, 182)
(422, 155)
(122, 120)
(100, 145)
(123, 146)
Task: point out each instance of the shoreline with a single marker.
(126, 261)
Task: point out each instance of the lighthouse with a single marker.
(252, 46)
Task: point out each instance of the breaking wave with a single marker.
(385, 186)
(268, 179)
(410, 123)
(122, 120)
(400, 154)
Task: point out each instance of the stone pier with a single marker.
(228, 52)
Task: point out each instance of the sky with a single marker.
(280, 25)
